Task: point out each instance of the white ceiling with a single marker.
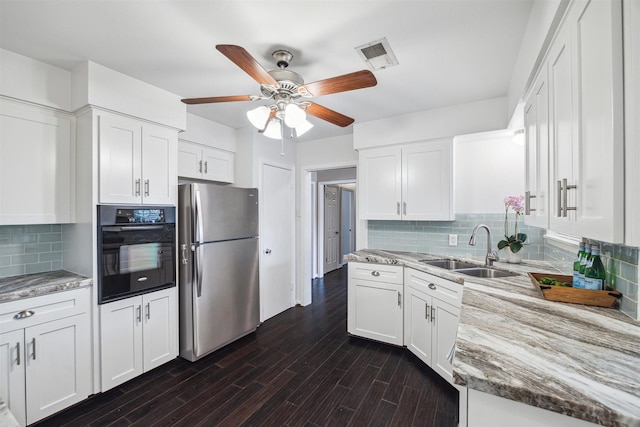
(449, 51)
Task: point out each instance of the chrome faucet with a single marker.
(492, 255)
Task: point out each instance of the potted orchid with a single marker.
(512, 243)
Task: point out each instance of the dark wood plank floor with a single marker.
(299, 369)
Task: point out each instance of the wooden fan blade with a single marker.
(358, 80)
(239, 56)
(272, 114)
(325, 113)
(213, 99)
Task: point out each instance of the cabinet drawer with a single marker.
(437, 287)
(44, 308)
(376, 272)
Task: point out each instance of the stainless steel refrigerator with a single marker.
(218, 265)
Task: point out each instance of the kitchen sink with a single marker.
(485, 272)
(449, 264)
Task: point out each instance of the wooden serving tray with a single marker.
(608, 299)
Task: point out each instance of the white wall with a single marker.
(27, 79)
(443, 122)
(488, 167)
(543, 19)
(207, 132)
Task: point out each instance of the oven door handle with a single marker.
(134, 228)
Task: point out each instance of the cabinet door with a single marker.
(120, 341)
(380, 177)
(12, 380)
(417, 324)
(217, 165)
(536, 124)
(562, 134)
(159, 165)
(160, 343)
(58, 372)
(36, 165)
(375, 311)
(427, 182)
(445, 329)
(597, 78)
(120, 142)
(189, 160)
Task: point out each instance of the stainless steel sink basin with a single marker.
(485, 272)
(449, 264)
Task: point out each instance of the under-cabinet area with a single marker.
(487, 335)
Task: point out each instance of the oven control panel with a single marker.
(140, 216)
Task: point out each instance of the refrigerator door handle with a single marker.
(197, 268)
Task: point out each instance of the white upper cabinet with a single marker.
(202, 162)
(407, 182)
(137, 161)
(37, 165)
(585, 111)
(536, 124)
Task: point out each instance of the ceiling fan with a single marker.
(289, 93)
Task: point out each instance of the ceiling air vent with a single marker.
(378, 54)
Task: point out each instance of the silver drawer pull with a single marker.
(18, 353)
(375, 273)
(426, 311)
(24, 314)
(33, 347)
(432, 286)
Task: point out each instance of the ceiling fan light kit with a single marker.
(285, 88)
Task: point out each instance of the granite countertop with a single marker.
(572, 359)
(30, 285)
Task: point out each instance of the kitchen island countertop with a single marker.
(572, 359)
(31, 285)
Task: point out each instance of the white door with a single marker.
(159, 336)
(159, 165)
(277, 224)
(347, 222)
(331, 228)
(12, 376)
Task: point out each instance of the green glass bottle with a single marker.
(595, 274)
(583, 265)
(576, 265)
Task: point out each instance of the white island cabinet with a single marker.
(137, 334)
(45, 353)
(432, 310)
(375, 300)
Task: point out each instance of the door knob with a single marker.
(267, 251)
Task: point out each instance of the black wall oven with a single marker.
(136, 250)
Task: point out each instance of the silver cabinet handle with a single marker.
(200, 166)
(24, 314)
(146, 187)
(398, 208)
(426, 311)
(148, 310)
(562, 188)
(206, 169)
(33, 347)
(433, 314)
(559, 208)
(375, 273)
(138, 187)
(139, 313)
(568, 187)
(404, 208)
(527, 203)
(399, 299)
(432, 286)
(18, 353)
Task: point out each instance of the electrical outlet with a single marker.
(453, 240)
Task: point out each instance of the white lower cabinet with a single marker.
(137, 334)
(432, 309)
(375, 299)
(45, 354)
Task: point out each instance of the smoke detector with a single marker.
(377, 54)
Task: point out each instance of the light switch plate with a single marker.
(453, 240)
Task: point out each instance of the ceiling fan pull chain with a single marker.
(282, 139)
